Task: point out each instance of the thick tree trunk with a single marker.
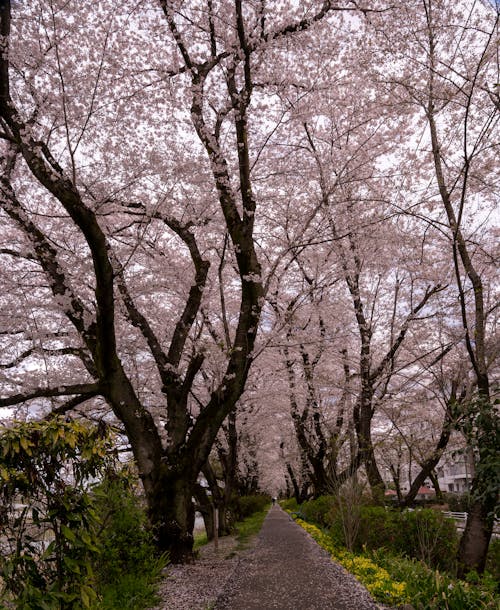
(299, 491)
(171, 514)
(475, 539)
(362, 420)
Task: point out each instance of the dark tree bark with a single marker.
(437, 488)
(428, 465)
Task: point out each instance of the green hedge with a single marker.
(245, 506)
(423, 534)
(320, 510)
(128, 566)
(289, 504)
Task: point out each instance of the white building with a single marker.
(455, 472)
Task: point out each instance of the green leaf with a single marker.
(25, 444)
(68, 534)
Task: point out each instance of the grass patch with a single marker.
(200, 539)
(131, 592)
(249, 527)
(244, 530)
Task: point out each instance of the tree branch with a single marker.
(84, 389)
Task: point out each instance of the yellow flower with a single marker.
(376, 579)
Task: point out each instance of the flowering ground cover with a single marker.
(396, 580)
(376, 579)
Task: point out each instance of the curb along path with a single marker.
(287, 570)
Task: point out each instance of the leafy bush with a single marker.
(429, 589)
(423, 534)
(49, 544)
(378, 528)
(429, 536)
(245, 506)
(458, 503)
(128, 565)
(493, 560)
(320, 510)
(289, 504)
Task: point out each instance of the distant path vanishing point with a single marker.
(287, 570)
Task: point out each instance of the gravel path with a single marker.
(287, 570)
(196, 586)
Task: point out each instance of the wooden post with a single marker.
(216, 529)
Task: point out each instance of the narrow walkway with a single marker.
(287, 570)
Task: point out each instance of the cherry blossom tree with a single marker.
(448, 78)
(131, 136)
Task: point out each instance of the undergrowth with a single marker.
(128, 566)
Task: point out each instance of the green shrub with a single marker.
(320, 510)
(493, 559)
(48, 550)
(429, 589)
(422, 534)
(128, 565)
(245, 506)
(429, 536)
(378, 528)
(289, 504)
(458, 503)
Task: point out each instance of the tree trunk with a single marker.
(475, 540)
(427, 467)
(171, 513)
(300, 492)
(362, 420)
(205, 507)
(474, 543)
(437, 488)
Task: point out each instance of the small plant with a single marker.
(348, 508)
